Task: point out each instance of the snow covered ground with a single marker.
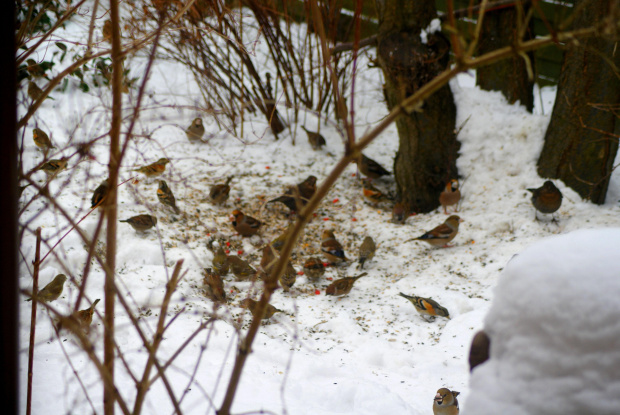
(368, 352)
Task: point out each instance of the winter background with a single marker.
(368, 352)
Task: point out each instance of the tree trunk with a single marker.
(582, 138)
(500, 28)
(428, 148)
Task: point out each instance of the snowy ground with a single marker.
(368, 352)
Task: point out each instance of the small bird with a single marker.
(154, 169)
(279, 242)
(370, 168)
(372, 194)
(367, 251)
(442, 234)
(251, 305)
(41, 139)
(220, 262)
(52, 290)
(296, 197)
(34, 92)
(400, 212)
(37, 70)
(214, 286)
(427, 306)
(445, 402)
(195, 131)
(53, 167)
(85, 317)
(269, 258)
(245, 225)
(479, 351)
(547, 198)
(100, 194)
(165, 196)
(240, 268)
(450, 196)
(314, 268)
(331, 248)
(141, 223)
(107, 31)
(219, 193)
(287, 280)
(316, 140)
(342, 286)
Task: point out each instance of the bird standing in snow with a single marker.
(154, 169)
(445, 402)
(245, 225)
(367, 251)
(343, 285)
(547, 198)
(427, 307)
(141, 223)
(331, 248)
(297, 197)
(166, 197)
(450, 196)
(219, 193)
(52, 290)
(370, 168)
(442, 234)
(316, 140)
(314, 268)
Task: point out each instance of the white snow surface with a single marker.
(368, 352)
(554, 329)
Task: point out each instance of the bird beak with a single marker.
(438, 397)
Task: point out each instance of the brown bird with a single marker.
(314, 268)
(331, 248)
(479, 351)
(547, 198)
(214, 286)
(427, 307)
(450, 196)
(400, 212)
(53, 167)
(279, 242)
(34, 92)
(240, 268)
(445, 402)
(52, 290)
(342, 286)
(245, 225)
(442, 234)
(195, 131)
(100, 194)
(252, 306)
(107, 31)
(154, 169)
(85, 317)
(316, 140)
(367, 251)
(370, 168)
(297, 197)
(141, 223)
(372, 194)
(37, 70)
(220, 262)
(41, 139)
(219, 193)
(165, 196)
(288, 278)
(269, 258)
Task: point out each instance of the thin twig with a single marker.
(33, 321)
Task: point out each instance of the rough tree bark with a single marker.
(582, 138)
(500, 28)
(428, 148)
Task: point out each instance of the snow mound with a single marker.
(555, 330)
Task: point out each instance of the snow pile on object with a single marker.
(555, 330)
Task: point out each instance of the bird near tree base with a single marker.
(450, 196)
(370, 168)
(547, 198)
(441, 235)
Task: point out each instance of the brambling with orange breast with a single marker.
(331, 248)
(85, 317)
(442, 234)
(445, 402)
(370, 168)
(154, 169)
(450, 196)
(427, 307)
(53, 167)
(372, 194)
(342, 286)
(166, 197)
(245, 225)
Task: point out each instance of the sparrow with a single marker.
(240, 268)
(245, 225)
(298, 196)
(370, 168)
(279, 242)
(547, 198)
(450, 195)
(52, 290)
(442, 234)
(100, 194)
(34, 92)
(85, 317)
(331, 248)
(372, 194)
(427, 306)
(214, 286)
(37, 70)
(479, 351)
(195, 131)
(107, 31)
(251, 305)
(154, 169)
(219, 193)
(220, 262)
(165, 196)
(53, 167)
(288, 278)
(314, 268)
(445, 402)
(316, 140)
(342, 286)
(141, 223)
(41, 139)
(367, 251)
